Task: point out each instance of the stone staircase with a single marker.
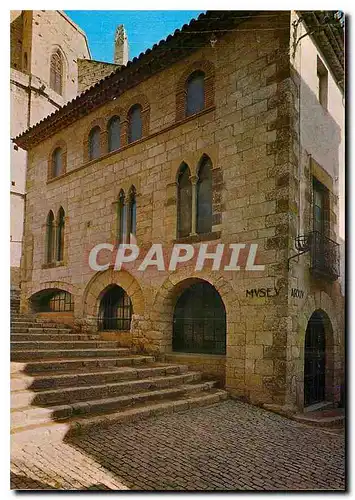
(15, 301)
(63, 382)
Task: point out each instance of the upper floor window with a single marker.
(114, 134)
(132, 211)
(204, 197)
(195, 93)
(60, 234)
(94, 143)
(322, 74)
(320, 207)
(50, 236)
(135, 123)
(57, 162)
(194, 199)
(56, 72)
(126, 216)
(121, 218)
(184, 221)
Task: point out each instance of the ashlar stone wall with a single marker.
(250, 134)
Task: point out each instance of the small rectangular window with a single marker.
(322, 75)
(320, 207)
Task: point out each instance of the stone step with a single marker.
(36, 415)
(71, 395)
(30, 432)
(43, 354)
(59, 365)
(15, 318)
(22, 317)
(38, 324)
(333, 418)
(45, 337)
(20, 381)
(24, 329)
(50, 345)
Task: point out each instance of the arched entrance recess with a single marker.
(199, 320)
(315, 360)
(115, 311)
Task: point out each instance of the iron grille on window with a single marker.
(61, 302)
(324, 256)
(115, 310)
(200, 321)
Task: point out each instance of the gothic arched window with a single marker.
(132, 211)
(94, 143)
(135, 128)
(195, 93)
(114, 134)
(56, 72)
(184, 201)
(50, 234)
(60, 234)
(204, 197)
(121, 217)
(57, 162)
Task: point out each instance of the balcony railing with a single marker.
(324, 256)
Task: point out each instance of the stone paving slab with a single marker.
(228, 446)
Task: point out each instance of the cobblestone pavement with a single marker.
(229, 446)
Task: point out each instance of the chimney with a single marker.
(121, 46)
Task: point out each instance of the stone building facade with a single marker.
(36, 36)
(276, 333)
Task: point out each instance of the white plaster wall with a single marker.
(322, 132)
(50, 29)
(16, 229)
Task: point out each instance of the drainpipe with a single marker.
(299, 146)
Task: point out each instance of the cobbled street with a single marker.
(229, 446)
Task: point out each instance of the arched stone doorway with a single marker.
(97, 287)
(314, 360)
(199, 321)
(318, 373)
(115, 311)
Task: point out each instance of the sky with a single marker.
(144, 28)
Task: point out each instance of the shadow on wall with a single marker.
(320, 136)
